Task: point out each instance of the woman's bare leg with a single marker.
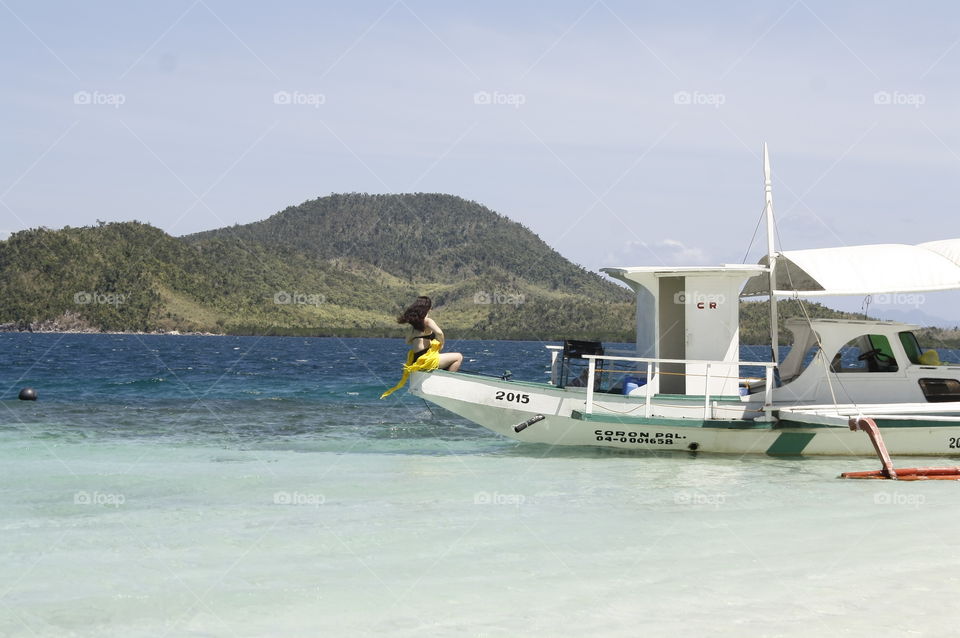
(450, 361)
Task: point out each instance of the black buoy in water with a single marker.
(28, 394)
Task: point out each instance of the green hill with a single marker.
(754, 317)
(340, 265)
(422, 238)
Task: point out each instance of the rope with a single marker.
(806, 316)
(826, 369)
(634, 409)
(757, 228)
(676, 374)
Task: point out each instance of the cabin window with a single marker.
(911, 346)
(867, 353)
(940, 390)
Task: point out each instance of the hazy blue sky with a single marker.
(622, 133)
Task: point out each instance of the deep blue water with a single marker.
(239, 390)
(243, 389)
(125, 368)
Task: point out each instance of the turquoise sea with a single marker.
(244, 486)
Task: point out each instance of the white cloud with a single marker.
(677, 253)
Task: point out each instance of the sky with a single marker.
(622, 133)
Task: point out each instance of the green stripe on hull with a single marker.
(693, 398)
(790, 444)
(670, 422)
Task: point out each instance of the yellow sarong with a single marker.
(429, 360)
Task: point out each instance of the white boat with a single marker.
(683, 387)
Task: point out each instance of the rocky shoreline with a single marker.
(71, 323)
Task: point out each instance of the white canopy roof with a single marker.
(863, 270)
(643, 275)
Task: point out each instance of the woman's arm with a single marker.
(435, 329)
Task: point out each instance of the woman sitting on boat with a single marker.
(424, 331)
(426, 340)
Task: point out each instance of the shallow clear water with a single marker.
(221, 486)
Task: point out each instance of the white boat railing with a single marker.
(653, 373)
(555, 352)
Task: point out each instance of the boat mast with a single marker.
(771, 256)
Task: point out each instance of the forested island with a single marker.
(341, 265)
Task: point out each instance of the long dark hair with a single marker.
(415, 314)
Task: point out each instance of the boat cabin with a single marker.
(688, 316)
(862, 361)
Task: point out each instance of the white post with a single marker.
(768, 395)
(591, 368)
(706, 395)
(771, 255)
(646, 407)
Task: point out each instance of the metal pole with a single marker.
(706, 394)
(771, 256)
(646, 408)
(591, 368)
(768, 394)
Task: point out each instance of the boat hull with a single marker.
(675, 425)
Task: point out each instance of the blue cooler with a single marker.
(632, 383)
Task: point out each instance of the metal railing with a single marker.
(653, 373)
